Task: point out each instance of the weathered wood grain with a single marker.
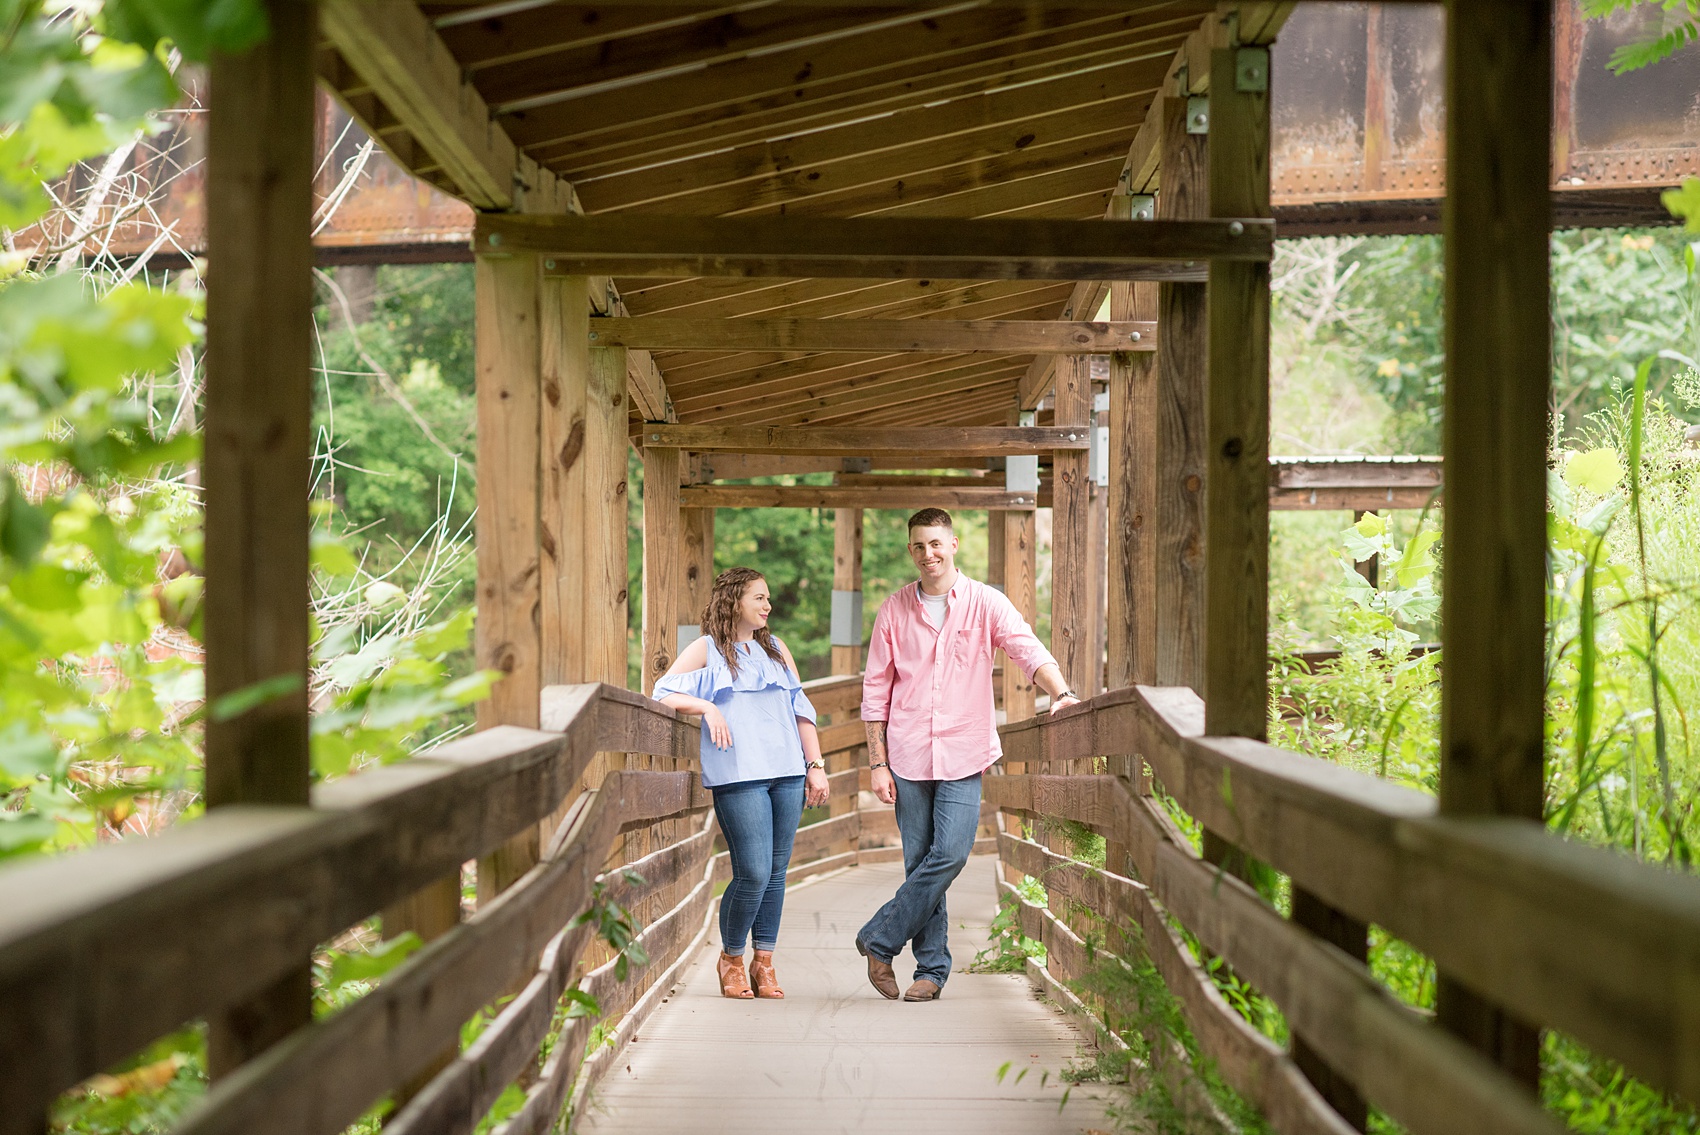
(663, 556)
(1567, 936)
(1021, 572)
(1072, 575)
(1236, 590)
(1181, 458)
(257, 461)
(850, 498)
(210, 912)
(872, 247)
(1011, 336)
(985, 441)
(1498, 374)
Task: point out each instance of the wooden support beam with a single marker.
(853, 497)
(697, 578)
(875, 247)
(1180, 456)
(1020, 585)
(1131, 601)
(1236, 605)
(663, 542)
(400, 56)
(927, 447)
(1498, 335)
(1007, 336)
(258, 458)
(847, 591)
(1071, 568)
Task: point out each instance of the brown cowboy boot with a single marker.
(924, 989)
(879, 974)
(733, 983)
(766, 982)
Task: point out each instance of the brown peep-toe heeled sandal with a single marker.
(763, 977)
(733, 983)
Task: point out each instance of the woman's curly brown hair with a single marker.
(720, 617)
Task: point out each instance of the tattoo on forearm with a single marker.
(876, 741)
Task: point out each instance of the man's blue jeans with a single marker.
(759, 820)
(937, 819)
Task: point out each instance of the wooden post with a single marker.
(584, 500)
(1098, 563)
(509, 397)
(1020, 566)
(258, 456)
(1071, 566)
(847, 591)
(663, 546)
(697, 524)
(1180, 456)
(1236, 607)
(1131, 605)
(1499, 84)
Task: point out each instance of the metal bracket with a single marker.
(1251, 70)
(846, 628)
(1143, 206)
(1198, 114)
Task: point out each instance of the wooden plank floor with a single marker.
(834, 1056)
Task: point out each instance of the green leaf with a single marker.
(1598, 471)
(1683, 203)
(373, 964)
(48, 587)
(22, 834)
(238, 702)
(197, 27)
(330, 556)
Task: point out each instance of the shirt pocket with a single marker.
(970, 649)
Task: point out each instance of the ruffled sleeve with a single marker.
(691, 683)
(801, 706)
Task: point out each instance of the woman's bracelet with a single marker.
(879, 764)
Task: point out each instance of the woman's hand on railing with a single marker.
(718, 731)
(815, 788)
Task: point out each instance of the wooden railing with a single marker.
(101, 952)
(1566, 936)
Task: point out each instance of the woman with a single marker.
(760, 756)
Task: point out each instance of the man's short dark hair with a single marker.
(931, 518)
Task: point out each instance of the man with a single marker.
(927, 703)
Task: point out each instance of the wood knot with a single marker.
(1192, 483)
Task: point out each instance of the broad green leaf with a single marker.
(238, 702)
(1598, 471)
(1683, 203)
(373, 964)
(446, 637)
(49, 587)
(22, 834)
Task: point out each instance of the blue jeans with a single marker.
(938, 820)
(759, 820)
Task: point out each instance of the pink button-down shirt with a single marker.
(934, 687)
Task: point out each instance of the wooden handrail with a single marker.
(1573, 937)
(206, 914)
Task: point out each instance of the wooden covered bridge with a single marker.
(758, 238)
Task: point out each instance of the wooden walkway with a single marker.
(836, 1057)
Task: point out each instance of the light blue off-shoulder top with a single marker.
(761, 706)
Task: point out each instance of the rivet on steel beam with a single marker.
(1235, 228)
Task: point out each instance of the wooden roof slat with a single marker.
(693, 49)
(879, 380)
(851, 408)
(694, 141)
(963, 124)
(995, 441)
(864, 335)
(841, 81)
(525, 31)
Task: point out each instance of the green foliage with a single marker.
(1010, 948)
(343, 976)
(1678, 27)
(615, 926)
(145, 1095)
